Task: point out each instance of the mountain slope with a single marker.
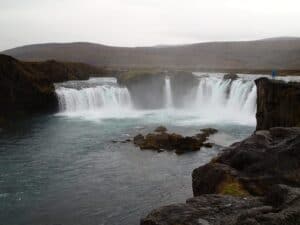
(277, 53)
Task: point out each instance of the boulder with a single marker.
(264, 159)
(160, 129)
(230, 76)
(278, 104)
(138, 139)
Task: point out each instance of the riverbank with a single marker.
(252, 182)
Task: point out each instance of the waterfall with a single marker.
(95, 98)
(99, 96)
(168, 93)
(215, 99)
(226, 99)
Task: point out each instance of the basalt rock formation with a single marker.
(253, 182)
(27, 87)
(278, 104)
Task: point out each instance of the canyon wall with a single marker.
(278, 104)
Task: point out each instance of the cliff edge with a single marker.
(27, 87)
(278, 104)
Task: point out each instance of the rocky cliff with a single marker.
(278, 104)
(27, 87)
(253, 182)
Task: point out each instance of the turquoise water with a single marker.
(60, 169)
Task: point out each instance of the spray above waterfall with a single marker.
(214, 100)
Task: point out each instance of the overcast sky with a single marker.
(145, 22)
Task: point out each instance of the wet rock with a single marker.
(230, 76)
(206, 133)
(172, 141)
(208, 145)
(209, 131)
(278, 104)
(138, 139)
(160, 129)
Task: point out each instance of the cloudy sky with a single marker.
(145, 22)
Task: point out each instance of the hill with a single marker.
(273, 53)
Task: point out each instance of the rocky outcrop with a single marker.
(225, 209)
(255, 164)
(230, 76)
(278, 104)
(161, 140)
(253, 182)
(27, 87)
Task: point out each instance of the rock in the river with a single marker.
(160, 129)
(255, 164)
(230, 76)
(278, 104)
(161, 140)
(138, 139)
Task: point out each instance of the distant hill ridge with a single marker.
(272, 53)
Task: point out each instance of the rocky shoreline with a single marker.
(253, 182)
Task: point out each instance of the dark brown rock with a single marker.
(166, 141)
(160, 129)
(278, 104)
(230, 76)
(138, 139)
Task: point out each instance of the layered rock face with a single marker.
(278, 104)
(253, 182)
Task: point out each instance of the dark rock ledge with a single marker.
(253, 182)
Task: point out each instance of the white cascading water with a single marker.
(216, 100)
(98, 96)
(226, 100)
(168, 93)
